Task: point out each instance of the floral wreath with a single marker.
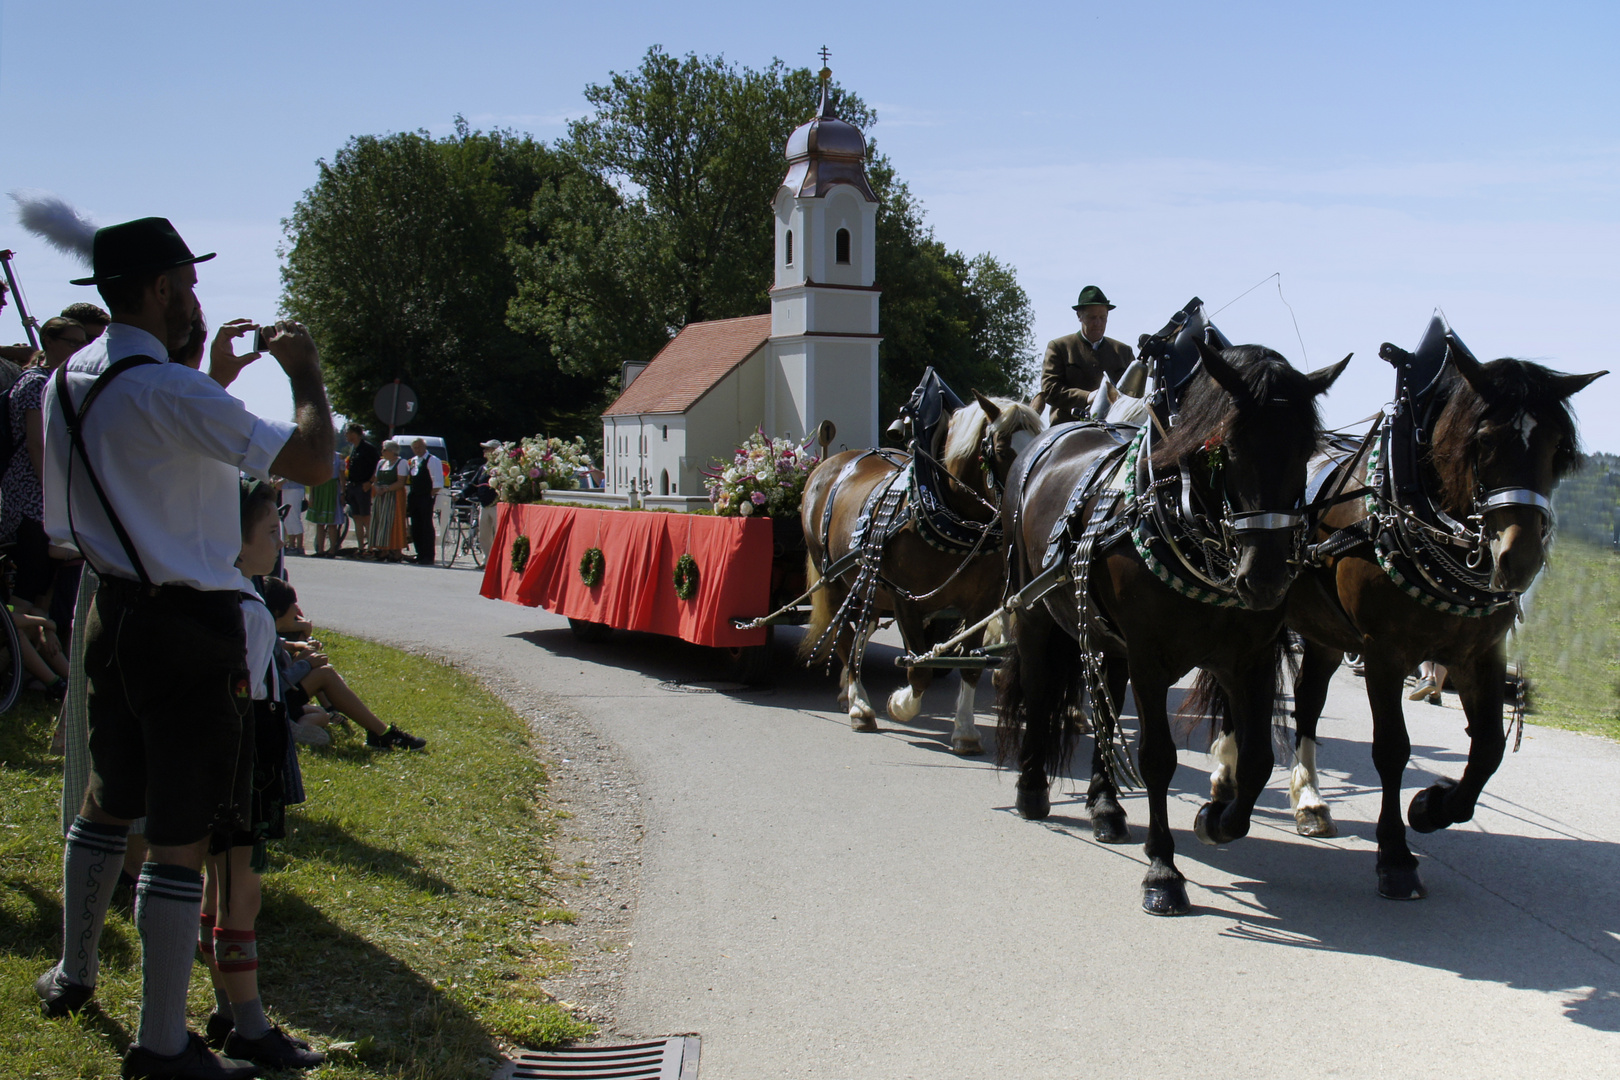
(591, 565)
(686, 577)
(520, 554)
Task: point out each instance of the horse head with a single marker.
(1504, 439)
(984, 438)
(1246, 431)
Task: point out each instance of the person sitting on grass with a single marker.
(310, 672)
(232, 887)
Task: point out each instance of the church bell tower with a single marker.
(824, 305)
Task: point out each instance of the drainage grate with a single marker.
(674, 686)
(666, 1059)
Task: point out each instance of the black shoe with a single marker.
(195, 1062)
(58, 996)
(219, 1028)
(275, 1049)
(394, 737)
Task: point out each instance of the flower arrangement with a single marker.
(523, 472)
(765, 476)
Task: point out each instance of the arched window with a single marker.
(788, 250)
(663, 482)
(666, 433)
(841, 246)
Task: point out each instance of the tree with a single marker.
(397, 260)
(667, 222)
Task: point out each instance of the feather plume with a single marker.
(51, 218)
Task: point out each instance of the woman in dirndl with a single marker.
(388, 505)
(326, 511)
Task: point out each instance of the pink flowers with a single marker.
(758, 498)
(534, 472)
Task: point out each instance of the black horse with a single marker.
(1247, 425)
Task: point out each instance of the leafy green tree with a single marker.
(397, 260)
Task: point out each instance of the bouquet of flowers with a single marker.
(766, 476)
(523, 472)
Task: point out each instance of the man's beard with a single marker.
(177, 321)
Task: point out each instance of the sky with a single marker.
(1382, 160)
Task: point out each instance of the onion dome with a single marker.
(825, 151)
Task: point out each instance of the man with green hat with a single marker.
(1076, 363)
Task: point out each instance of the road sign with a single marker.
(396, 404)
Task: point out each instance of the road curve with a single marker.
(817, 903)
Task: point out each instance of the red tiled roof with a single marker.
(693, 364)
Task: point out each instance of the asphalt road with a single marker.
(818, 903)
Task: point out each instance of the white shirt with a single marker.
(260, 626)
(433, 465)
(167, 442)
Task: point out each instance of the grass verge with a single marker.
(1569, 642)
(405, 916)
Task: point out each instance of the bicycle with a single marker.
(461, 531)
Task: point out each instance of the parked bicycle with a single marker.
(460, 539)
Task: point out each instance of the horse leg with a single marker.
(1451, 802)
(1392, 748)
(1164, 889)
(862, 717)
(1038, 702)
(965, 734)
(906, 702)
(1102, 797)
(1311, 814)
(1223, 774)
(1250, 695)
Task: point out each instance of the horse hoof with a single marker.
(1400, 884)
(862, 720)
(1424, 812)
(1034, 803)
(903, 706)
(966, 747)
(1207, 825)
(1315, 821)
(1168, 899)
(1110, 828)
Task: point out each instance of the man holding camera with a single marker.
(141, 477)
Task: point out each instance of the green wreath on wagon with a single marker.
(520, 554)
(591, 565)
(687, 578)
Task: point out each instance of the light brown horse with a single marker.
(916, 578)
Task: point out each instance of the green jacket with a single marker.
(1072, 370)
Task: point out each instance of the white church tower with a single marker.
(824, 306)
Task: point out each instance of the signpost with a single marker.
(395, 405)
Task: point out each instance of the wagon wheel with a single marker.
(750, 664)
(590, 632)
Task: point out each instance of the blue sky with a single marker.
(1384, 158)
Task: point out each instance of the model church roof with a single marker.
(690, 366)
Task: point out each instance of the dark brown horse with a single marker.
(1247, 426)
(1503, 438)
(915, 578)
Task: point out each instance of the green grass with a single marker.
(406, 915)
(1569, 642)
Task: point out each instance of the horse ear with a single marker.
(1563, 386)
(991, 410)
(1322, 378)
(1224, 374)
(1472, 371)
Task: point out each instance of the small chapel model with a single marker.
(813, 358)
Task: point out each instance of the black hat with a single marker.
(1092, 295)
(145, 245)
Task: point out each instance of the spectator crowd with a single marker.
(147, 513)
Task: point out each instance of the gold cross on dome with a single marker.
(824, 55)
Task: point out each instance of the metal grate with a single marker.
(666, 1059)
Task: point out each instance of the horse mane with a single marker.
(1518, 386)
(968, 425)
(1208, 411)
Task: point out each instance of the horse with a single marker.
(1247, 426)
(1503, 438)
(915, 578)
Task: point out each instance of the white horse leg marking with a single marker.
(843, 687)
(1311, 814)
(1223, 777)
(904, 704)
(965, 737)
(862, 717)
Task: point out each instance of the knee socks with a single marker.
(91, 863)
(205, 944)
(168, 908)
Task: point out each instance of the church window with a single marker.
(666, 433)
(841, 246)
(663, 482)
(788, 250)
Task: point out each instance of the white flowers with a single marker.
(765, 476)
(522, 472)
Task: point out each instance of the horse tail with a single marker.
(1039, 697)
(1207, 702)
(822, 613)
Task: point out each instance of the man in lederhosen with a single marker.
(141, 476)
(427, 477)
(1076, 363)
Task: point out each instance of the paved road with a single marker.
(818, 903)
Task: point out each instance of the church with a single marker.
(814, 357)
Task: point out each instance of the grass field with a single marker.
(405, 925)
(1569, 642)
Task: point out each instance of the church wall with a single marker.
(839, 311)
(787, 401)
(843, 209)
(845, 391)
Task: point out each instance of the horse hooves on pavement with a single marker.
(862, 722)
(1400, 884)
(1424, 812)
(1207, 825)
(1034, 803)
(1315, 821)
(1170, 899)
(1110, 828)
(966, 747)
